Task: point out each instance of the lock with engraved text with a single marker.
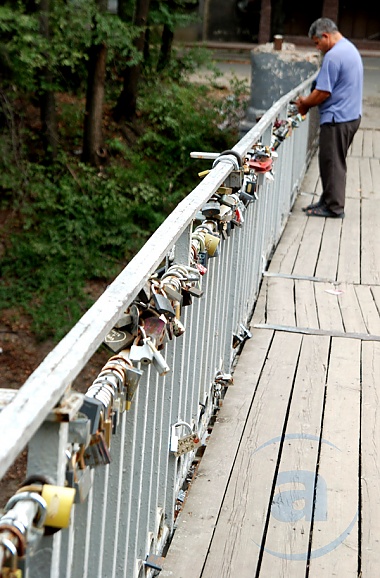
(182, 444)
(118, 339)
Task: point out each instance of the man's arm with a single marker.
(313, 99)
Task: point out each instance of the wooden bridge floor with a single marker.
(289, 484)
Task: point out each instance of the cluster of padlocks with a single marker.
(136, 342)
(283, 128)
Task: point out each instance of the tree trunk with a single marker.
(330, 9)
(126, 105)
(47, 97)
(92, 133)
(265, 22)
(166, 47)
(125, 10)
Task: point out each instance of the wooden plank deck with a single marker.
(289, 485)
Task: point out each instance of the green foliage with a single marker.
(24, 52)
(179, 121)
(21, 46)
(72, 226)
(78, 225)
(177, 13)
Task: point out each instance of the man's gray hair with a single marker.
(320, 26)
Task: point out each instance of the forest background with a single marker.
(97, 120)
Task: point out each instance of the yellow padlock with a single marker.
(203, 173)
(211, 243)
(6, 572)
(59, 501)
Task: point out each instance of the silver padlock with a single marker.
(159, 361)
(141, 353)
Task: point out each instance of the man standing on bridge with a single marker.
(338, 94)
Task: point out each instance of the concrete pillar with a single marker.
(274, 74)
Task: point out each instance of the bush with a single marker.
(73, 226)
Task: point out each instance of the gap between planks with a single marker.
(310, 331)
(314, 279)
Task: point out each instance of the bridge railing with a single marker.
(181, 309)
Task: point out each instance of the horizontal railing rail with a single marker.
(123, 453)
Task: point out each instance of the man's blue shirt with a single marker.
(341, 74)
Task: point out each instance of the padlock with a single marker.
(224, 191)
(123, 321)
(247, 198)
(24, 494)
(13, 570)
(201, 268)
(161, 303)
(92, 408)
(193, 291)
(241, 337)
(239, 217)
(59, 501)
(187, 444)
(80, 430)
(226, 213)
(211, 243)
(140, 352)
(97, 453)
(178, 327)
(211, 209)
(186, 297)
(114, 371)
(183, 444)
(225, 379)
(81, 481)
(172, 292)
(114, 378)
(104, 392)
(155, 326)
(159, 361)
(145, 294)
(134, 312)
(228, 200)
(116, 340)
(133, 380)
(203, 258)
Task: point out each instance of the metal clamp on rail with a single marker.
(231, 157)
(234, 179)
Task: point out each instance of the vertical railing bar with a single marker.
(51, 463)
(147, 458)
(130, 425)
(111, 520)
(137, 489)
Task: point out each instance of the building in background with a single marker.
(257, 21)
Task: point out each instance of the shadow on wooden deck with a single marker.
(289, 483)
